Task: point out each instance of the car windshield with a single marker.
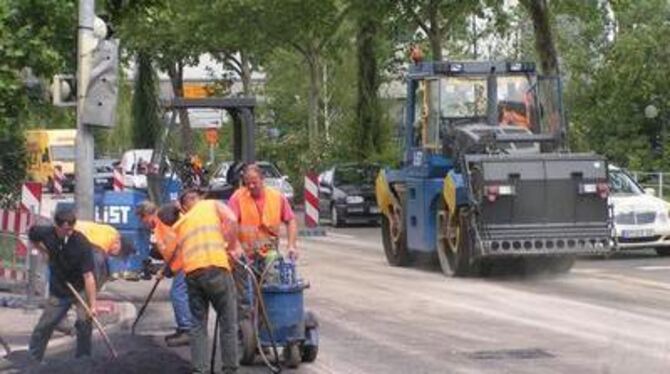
(621, 183)
(269, 171)
(62, 152)
(355, 175)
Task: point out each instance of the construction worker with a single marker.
(164, 241)
(107, 241)
(261, 210)
(206, 235)
(70, 261)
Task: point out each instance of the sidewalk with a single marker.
(18, 322)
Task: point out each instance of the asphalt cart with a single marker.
(277, 318)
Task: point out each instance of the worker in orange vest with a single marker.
(164, 240)
(206, 236)
(260, 211)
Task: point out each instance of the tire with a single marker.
(395, 246)
(560, 265)
(663, 251)
(453, 261)
(292, 355)
(335, 220)
(309, 352)
(463, 264)
(247, 341)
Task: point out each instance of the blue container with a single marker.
(285, 309)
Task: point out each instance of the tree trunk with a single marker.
(544, 40)
(314, 63)
(176, 73)
(367, 108)
(435, 32)
(245, 75)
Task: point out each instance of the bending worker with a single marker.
(206, 234)
(165, 240)
(70, 261)
(107, 241)
(261, 210)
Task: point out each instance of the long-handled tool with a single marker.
(95, 320)
(146, 303)
(5, 345)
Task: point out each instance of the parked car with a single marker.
(640, 219)
(347, 194)
(220, 187)
(103, 177)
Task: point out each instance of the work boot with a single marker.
(177, 339)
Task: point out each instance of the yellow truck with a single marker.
(48, 149)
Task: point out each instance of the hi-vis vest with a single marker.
(199, 238)
(258, 230)
(100, 235)
(167, 244)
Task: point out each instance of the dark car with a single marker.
(347, 194)
(103, 177)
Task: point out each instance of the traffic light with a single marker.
(64, 90)
(101, 93)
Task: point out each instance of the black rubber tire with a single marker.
(335, 220)
(662, 251)
(465, 265)
(292, 355)
(396, 251)
(247, 341)
(560, 265)
(452, 264)
(309, 352)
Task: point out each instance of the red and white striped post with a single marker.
(58, 180)
(118, 179)
(311, 200)
(31, 201)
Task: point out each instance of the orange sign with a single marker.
(196, 90)
(212, 136)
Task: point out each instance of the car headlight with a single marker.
(354, 199)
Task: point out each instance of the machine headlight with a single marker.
(354, 199)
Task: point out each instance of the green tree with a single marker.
(145, 109)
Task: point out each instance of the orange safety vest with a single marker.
(258, 231)
(200, 238)
(167, 244)
(101, 235)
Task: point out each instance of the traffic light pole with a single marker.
(85, 145)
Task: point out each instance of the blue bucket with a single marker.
(285, 309)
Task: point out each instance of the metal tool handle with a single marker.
(95, 320)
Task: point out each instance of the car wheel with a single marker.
(663, 251)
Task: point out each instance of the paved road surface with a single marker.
(606, 316)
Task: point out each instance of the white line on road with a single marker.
(653, 268)
(338, 235)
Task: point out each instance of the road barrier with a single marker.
(312, 207)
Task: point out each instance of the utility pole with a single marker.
(84, 146)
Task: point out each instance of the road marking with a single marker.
(653, 268)
(337, 235)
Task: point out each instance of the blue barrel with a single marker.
(285, 309)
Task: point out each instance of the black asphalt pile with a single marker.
(137, 354)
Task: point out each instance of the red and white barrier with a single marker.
(311, 200)
(31, 202)
(58, 179)
(118, 180)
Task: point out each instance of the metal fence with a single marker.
(658, 181)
